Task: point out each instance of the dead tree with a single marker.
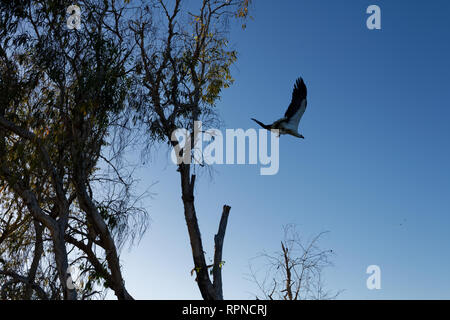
(294, 272)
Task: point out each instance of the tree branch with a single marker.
(218, 242)
(18, 278)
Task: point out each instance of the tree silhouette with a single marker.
(62, 91)
(183, 65)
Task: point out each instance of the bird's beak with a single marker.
(302, 137)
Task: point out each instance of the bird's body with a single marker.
(289, 123)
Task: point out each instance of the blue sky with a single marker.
(373, 169)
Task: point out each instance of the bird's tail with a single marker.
(265, 126)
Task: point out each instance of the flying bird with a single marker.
(289, 123)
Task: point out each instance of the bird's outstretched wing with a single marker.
(297, 107)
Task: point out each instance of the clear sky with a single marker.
(374, 169)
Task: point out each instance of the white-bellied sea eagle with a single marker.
(289, 123)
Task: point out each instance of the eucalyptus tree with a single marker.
(183, 64)
(62, 89)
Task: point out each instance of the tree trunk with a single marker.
(112, 257)
(62, 264)
(201, 269)
(37, 254)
